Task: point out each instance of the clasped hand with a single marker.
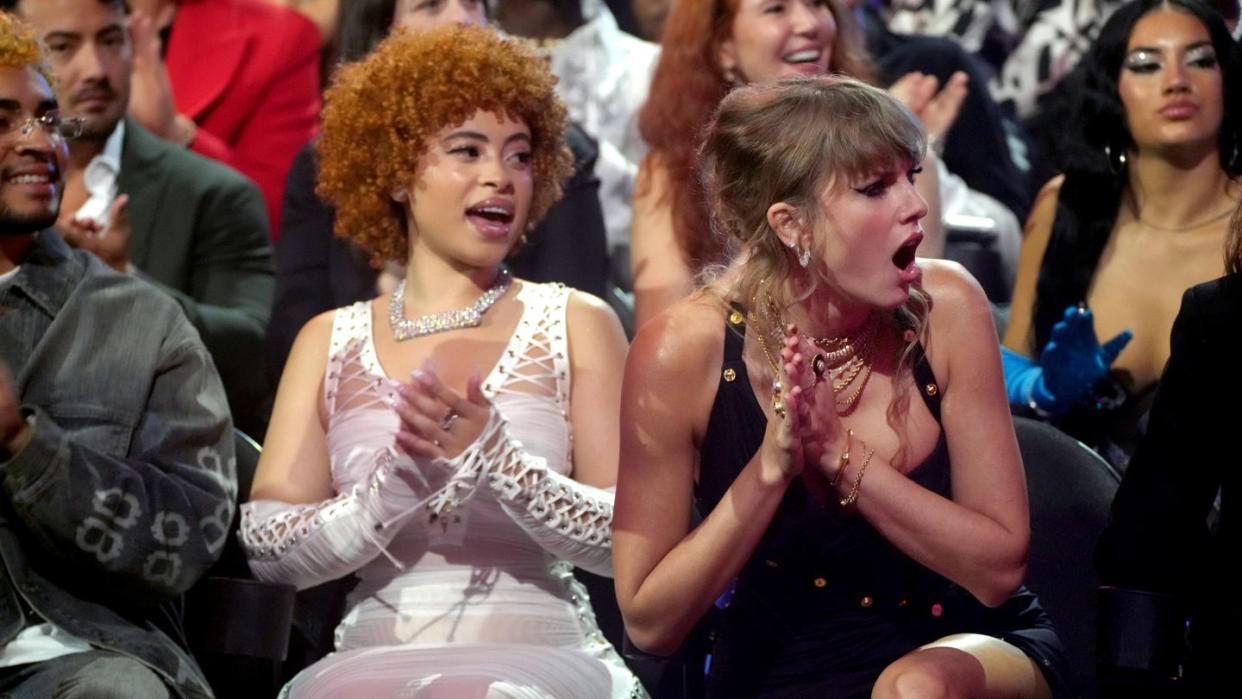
(436, 421)
(811, 431)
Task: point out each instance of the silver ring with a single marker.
(446, 422)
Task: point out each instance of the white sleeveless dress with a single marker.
(477, 608)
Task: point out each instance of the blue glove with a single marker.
(1070, 365)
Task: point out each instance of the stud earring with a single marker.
(400, 195)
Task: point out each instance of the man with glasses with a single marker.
(195, 228)
(117, 480)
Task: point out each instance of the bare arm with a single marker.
(661, 277)
(667, 576)
(597, 349)
(1018, 335)
(979, 537)
(294, 465)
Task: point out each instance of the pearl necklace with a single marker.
(468, 317)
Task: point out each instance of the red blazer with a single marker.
(247, 72)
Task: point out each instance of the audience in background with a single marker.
(115, 444)
(711, 46)
(193, 227)
(235, 80)
(1139, 216)
(604, 75)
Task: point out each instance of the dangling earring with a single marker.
(804, 257)
(730, 76)
(1119, 163)
(1233, 157)
(400, 195)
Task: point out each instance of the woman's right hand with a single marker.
(781, 454)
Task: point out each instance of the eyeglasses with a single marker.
(53, 125)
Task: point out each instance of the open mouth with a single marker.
(904, 256)
(491, 213)
(493, 218)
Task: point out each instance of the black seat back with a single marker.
(1071, 490)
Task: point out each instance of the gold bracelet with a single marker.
(843, 460)
(853, 496)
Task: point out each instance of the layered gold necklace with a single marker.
(846, 361)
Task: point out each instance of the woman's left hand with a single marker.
(820, 428)
(436, 421)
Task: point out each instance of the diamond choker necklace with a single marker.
(468, 317)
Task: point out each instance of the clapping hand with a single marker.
(1074, 360)
(819, 427)
(934, 105)
(436, 421)
(781, 453)
(109, 242)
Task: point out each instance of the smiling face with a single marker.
(772, 39)
(471, 196)
(30, 164)
(868, 232)
(1170, 82)
(421, 15)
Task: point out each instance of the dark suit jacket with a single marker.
(198, 230)
(1158, 538)
(247, 72)
(317, 271)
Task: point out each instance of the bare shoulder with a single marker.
(653, 179)
(589, 311)
(593, 329)
(951, 287)
(313, 340)
(960, 320)
(679, 343)
(1044, 209)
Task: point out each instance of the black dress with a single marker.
(825, 602)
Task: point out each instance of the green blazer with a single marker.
(198, 230)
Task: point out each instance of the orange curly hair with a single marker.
(18, 46)
(381, 113)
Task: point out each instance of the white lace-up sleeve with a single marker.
(308, 544)
(570, 520)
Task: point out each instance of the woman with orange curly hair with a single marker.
(461, 497)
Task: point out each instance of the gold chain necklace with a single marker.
(851, 364)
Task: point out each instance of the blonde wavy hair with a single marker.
(790, 141)
(381, 112)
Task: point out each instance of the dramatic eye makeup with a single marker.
(1148, 60)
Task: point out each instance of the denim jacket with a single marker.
(124, 494)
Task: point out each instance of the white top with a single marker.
(476, 605)
(100, 178)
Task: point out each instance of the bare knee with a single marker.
(931, 673)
